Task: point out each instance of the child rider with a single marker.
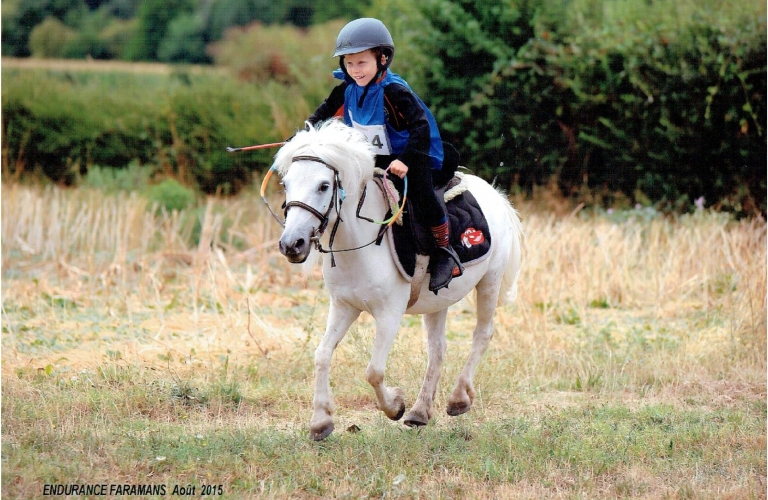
(383, 107)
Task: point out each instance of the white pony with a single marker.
(324, 171)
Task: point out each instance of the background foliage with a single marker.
(148, 30)
(614, 102)
(66, 123)
(661, 101)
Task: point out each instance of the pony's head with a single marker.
(319, 167)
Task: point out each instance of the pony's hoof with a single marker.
(399, 414)
(415, 420)
(456, 409)
(321, 433)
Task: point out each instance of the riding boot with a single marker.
(444, 263)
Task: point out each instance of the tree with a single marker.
(184, 41)
(49, 38)
(19, 18)
(154, 17)
(341, 9)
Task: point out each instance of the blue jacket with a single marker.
(389, 113)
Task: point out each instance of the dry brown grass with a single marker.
(626, 311)
(700, 279)
(101, 65)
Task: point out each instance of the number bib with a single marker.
(376, 135)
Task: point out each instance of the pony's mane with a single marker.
(332, 141)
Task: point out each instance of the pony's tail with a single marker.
(508, 289)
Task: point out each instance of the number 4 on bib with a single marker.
(376, 135)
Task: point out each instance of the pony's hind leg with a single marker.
(389, 400)
(460, 400)
(340, 317)
(421, 413)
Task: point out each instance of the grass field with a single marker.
(175, 350)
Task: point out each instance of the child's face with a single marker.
(361, 67)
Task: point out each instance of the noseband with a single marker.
(337, 198)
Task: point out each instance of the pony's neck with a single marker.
(352, 231)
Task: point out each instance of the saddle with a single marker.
(470, 236)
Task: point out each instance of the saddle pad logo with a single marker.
(472, 237)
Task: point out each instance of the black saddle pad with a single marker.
(469, 236)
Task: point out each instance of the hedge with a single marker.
(63, 123)
(662, 113)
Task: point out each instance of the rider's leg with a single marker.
(431, 212)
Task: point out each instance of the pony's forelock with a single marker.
(335, 143)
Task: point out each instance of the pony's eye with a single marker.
(324, 187)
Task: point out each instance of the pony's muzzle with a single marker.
(295, 250)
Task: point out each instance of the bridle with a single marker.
(337, 199)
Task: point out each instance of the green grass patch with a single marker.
(165, 435)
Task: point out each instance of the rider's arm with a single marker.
(405, 112)
(331, 106)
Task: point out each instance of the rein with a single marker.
(337, 200)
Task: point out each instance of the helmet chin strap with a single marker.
(365, 91)
(375, 79)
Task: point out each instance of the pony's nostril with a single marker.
(299, 244)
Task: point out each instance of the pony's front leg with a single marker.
(389, 400)
(340, 317)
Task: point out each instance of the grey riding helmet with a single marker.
(363, 34)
